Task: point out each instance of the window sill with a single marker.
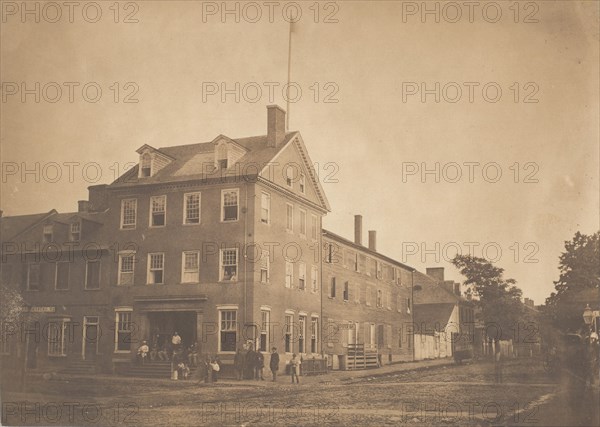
(61, 290)
(57, 355)
(156, 226)
(127, 229)
(189, 283)
(189, 224)
(229, 220)
(122, 351)
(223, 282)
(94, 289)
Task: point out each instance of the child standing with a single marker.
(295, 368)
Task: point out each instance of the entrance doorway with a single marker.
(31, 345)
(164, 324)
(90, 337)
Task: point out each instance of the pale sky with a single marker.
(371, 134)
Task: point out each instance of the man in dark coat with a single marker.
(258, 366)
(249, 364)
(274, 363)
(238, 364)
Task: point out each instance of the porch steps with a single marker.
(80, 367)
(360, 358)
(156, 369)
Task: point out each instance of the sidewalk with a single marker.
(330, 377)
(389, 369)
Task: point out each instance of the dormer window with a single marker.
(48, 231)
(146, 165)
(222, 155)
(227, 152)
(151, 161)
(75, 231)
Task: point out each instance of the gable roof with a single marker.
(195, 162)
(298, 143)
(189, 162)
(152, 149)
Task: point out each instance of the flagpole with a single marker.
(289, 78)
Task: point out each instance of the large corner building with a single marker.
(220, 241)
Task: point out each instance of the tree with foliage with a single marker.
(11, 304)
(499, 298)
(578, 283)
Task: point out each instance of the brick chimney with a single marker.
(358, 229)
(373, 240)
(436, 272)
(457, 288)
(275, 125)
(83, 206)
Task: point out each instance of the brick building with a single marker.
(220, 241)
(366, 302)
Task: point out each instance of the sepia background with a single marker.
(371, 133)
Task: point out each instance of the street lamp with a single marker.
(588, 315)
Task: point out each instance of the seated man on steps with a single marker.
(142, 352)
(163, 355)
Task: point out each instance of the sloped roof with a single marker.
(430, 317)
(67, 217)
(191, 161)
(432, 292)
(195, 162)
(11, 226)
(365, 249)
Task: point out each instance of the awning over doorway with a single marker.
(169, 303)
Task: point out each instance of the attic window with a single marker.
(75, 231)
(47, 233)
(146, 166)
(289, 177)
(302, 183)
(222, 155)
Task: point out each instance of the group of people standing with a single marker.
(250, 364)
